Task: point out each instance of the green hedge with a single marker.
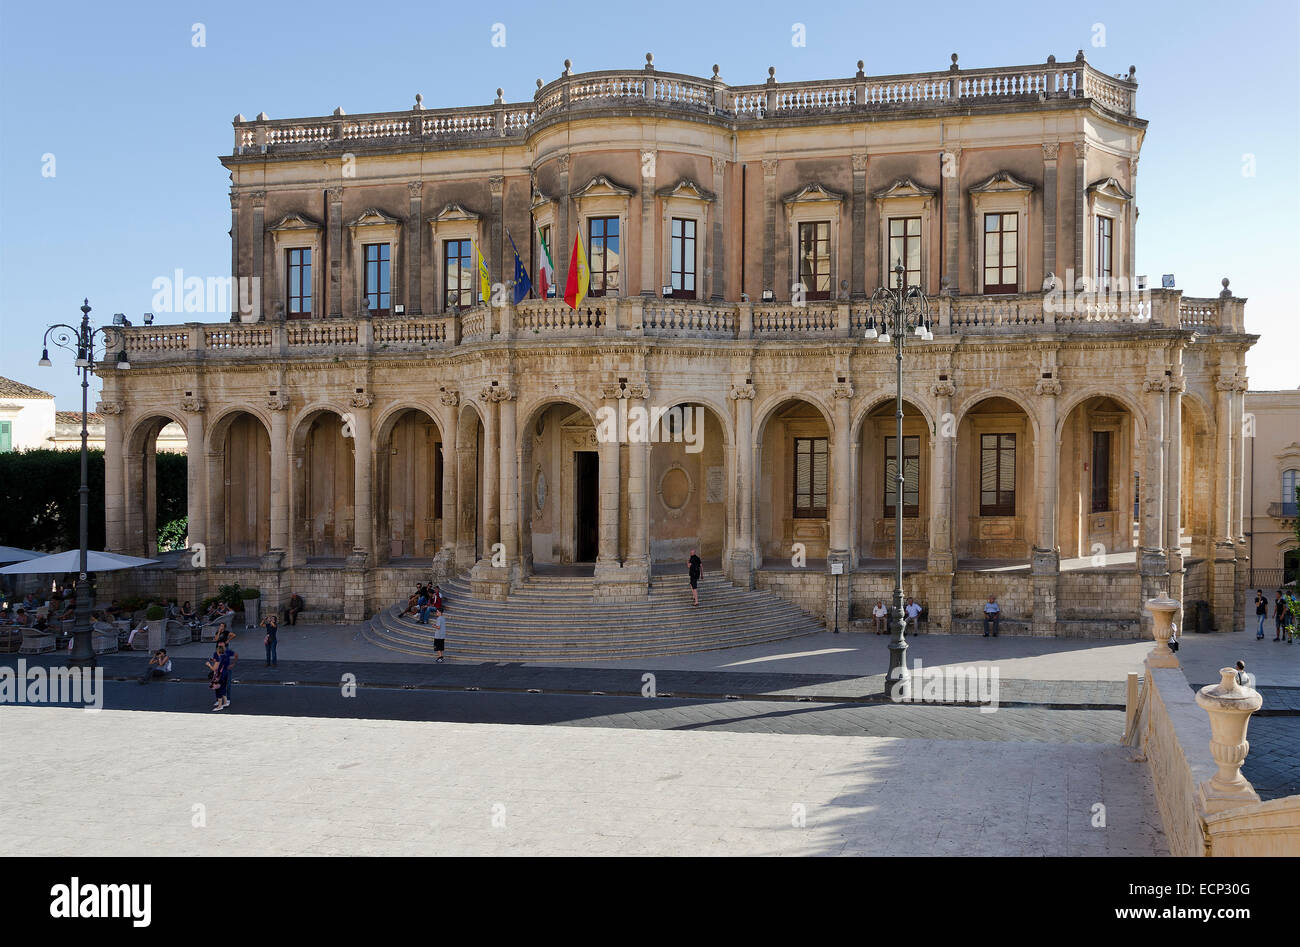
(39, 494)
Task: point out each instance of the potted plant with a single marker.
(251, 600)
(156, 624)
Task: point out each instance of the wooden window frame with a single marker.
(811, 293)
(1001, 505)
(447, 304)
(910, 510)
(1001, 287)
(304, 293)
(1105, 250)
(810, 512)
(604, 271)
(1099, 501)
(381, 296)
(677, 276)
(907, 239)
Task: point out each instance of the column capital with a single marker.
(193, 405)
(497, 393)
(449, 397)
(741, 393)
(336, 194)
(1051, 149)
(109, 407)
(769, 166)
(843, 391)
(361, 400)
(495, 185)
(615, 392)
(415, 189)
(859, 161)
(943, 389)
(235, 197)
(638, 391)
(277, 403)
(563, 161)
(1155, 383)
(719, 165)
(259, 198)
(1047, 386)
(1227, 381)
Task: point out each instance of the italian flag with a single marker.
(579, 278)
(545, 269)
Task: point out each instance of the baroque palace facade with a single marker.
(366, 419)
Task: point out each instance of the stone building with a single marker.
(1273, 473)
(26, 416)
(1071, 444)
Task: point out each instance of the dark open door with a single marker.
(586, 466)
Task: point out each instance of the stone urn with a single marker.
(1229, 705)
(1162, 609)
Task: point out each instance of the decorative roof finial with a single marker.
(650, 60)
(339, 111)
(771, 73)
(954, 65)
(1226, 292)
(568, 67)
(539, 83)
(861, 64)
(419, 102)
(500, 93)
(716, 74)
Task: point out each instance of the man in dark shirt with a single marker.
(295, 606)
(696, 568)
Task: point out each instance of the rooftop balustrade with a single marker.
(745, 105)
(544, 320)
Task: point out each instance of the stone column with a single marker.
(278, 405)
(650, 276)
(563, 235)
(1173, 488)
(1238, 526)
(265, 301)
(234, 256)
(497, 271)
(335, 238)
(857, 265)
(114, 483)
(1080, 212)
(490, 464)
(414, 249)
(742, 557)
(1051, 151)
(717, 243)
(509, 479)
(446, 559)
(607, 550)
(1152, 565)
(941, 560)
(1046, 565)
(769, 227)
(952, 204)
(638, 489)
(841, 487)
(363, 463)
(196, 474)
(1223, 580)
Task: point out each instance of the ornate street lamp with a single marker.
(897, 312)
(83, 341)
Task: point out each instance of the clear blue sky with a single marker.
(135, 116)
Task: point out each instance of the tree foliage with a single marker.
(39, 496)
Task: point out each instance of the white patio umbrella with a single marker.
(70, 561)
(14, 554)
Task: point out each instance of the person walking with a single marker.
(992, 613)
(1261, 612)
(695, 568)
(439, 634)
(879, 617)
(271, 640)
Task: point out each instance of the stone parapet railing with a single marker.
(675, 92)
(616, 317)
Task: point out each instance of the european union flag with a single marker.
(523, 285)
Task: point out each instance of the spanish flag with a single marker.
(484, 281)
(579, 278)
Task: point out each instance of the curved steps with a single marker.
(554, 619)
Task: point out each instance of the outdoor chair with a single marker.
(36, 641)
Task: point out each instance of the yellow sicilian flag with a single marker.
(484, 281)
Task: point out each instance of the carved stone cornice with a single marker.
(741, 393)
(1047, 386)
(450, 397)
(843, 390)
(361, 400)
(193, 405)
(943, 389)
(277, 403)
(111, 408)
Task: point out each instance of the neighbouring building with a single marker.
(1073, 441)
(1273, 471)
(26, 416)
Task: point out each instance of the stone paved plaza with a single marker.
(126, 783)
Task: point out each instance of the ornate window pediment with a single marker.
(601, 186)
(294, 222)
(686, 189)
(1001, 183)
(374, 217)
(453, 213)
(1109, 187)
(540, 200)
(812, 194)
(904, 188)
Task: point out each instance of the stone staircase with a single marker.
(554, 619)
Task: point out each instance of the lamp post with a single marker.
(898, 311)
(82, 340)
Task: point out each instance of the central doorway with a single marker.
(586, 469)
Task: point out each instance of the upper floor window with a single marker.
(682, 265)
(298, 288)
(457, 274)
(377, 276)
(602, 251)
(1105, 250)
(1290, 478)
(997, 475)
(911, 475)
(810, 476)
(1000, 252)
(815, 259)
(1101, 471)
(905, 248)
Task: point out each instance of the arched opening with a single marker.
(1197, 490)
(243, 465)
(687, 482)
(410, 470)
(995, 494)
(1096, 507)
(559, 489)
(325, 487)
(157, 481)
(878, 460)
(793, 492)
